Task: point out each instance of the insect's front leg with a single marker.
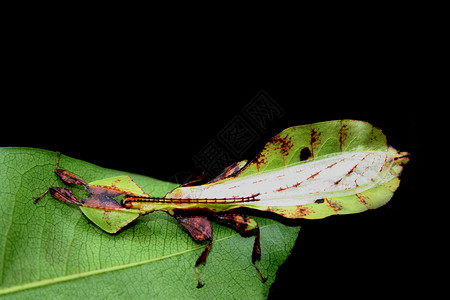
(199, 228)
(243, 225)
(63, 194)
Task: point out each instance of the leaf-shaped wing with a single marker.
(313, 171)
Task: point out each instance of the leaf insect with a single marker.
(310, 171)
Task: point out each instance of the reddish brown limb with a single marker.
(201, 260)
(68, 178)
(36, 199)
(197, 179)
(102, 197)
(244, 225)
(199, 228)
(229, 171)
(60, 193)
(256, 254)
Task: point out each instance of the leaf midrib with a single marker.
(50, 281)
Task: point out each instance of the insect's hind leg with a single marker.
(199, 228)
(201, 260)
(243, 225)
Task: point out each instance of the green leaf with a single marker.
(51, 250)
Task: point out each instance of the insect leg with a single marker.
(243, 225)
(67, 177)
(199, 228)
(60, 193)
(201, 260)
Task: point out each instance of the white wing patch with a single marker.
(302, 183)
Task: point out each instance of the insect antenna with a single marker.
(128, 199)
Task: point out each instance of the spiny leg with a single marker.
(256, 254)
(201, 260)
(243, 225)
(67, 177)
(199, 228)
(63, 194)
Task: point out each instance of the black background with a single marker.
(152, 112)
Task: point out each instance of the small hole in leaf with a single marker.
(305, 154)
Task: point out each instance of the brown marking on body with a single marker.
(333, 164)
(303, 211)
(348, 173)
(315, 139)
(314, 175)
(106, 217)
(102, 198)
(363, 199)
(343, 134)
(294, 212)
(283, 144)
(260, 160)
(337, 181)
(289, 187)
(351, 171)
(335, 206)
(297, 184)
(229, 171)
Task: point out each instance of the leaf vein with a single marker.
(50, 281)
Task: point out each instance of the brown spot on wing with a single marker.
(343, 134)
(229, 171)
(363, 199)
(315, 140)
(303, 211)
(260, 160)
(291, 212)
(335, 206)
(102, 198)
(282, 144)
